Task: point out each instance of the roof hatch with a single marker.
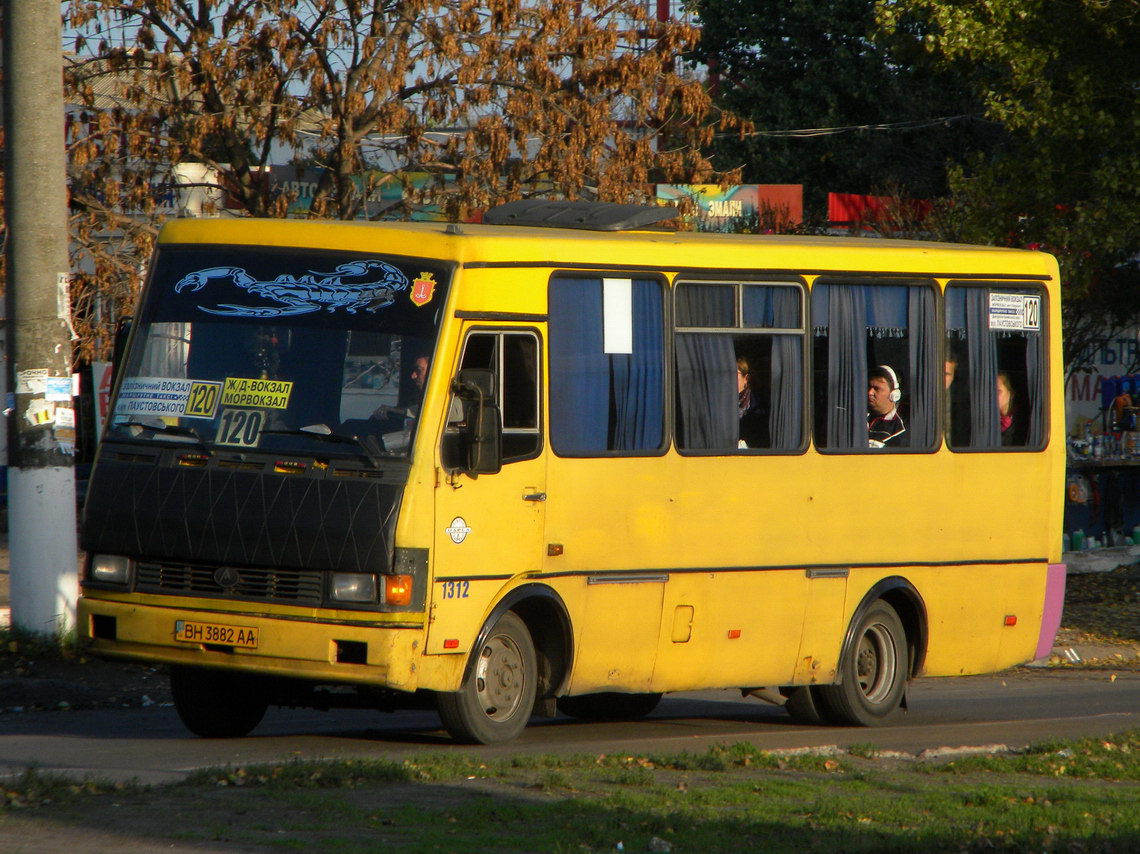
(593, 216)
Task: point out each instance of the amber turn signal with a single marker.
(397, 590)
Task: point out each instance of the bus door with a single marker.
(489, 528)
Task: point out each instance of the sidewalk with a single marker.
(1100, 560)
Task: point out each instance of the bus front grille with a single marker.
(290, 586)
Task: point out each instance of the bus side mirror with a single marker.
(483, 432)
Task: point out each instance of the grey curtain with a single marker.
(1035, 382)
(785, 421)
(707, 416)
(887, 308)
(706, 391)
(846, 367)
(925, 369)
(981, 346)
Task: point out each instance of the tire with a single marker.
(872, 674)
(217, 703)
(497, 696)
(803, 705)
(608, 706)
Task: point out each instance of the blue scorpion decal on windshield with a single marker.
(311, 292)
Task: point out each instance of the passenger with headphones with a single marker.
(884, 423)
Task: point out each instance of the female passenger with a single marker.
(1006, 413)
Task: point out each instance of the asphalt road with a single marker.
(151, 746)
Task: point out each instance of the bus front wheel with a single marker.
(497, 696)
(217, 703)
(873, 672)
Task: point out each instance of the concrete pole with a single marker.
(43, 576)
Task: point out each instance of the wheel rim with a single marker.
(875, 663)
(500, 678)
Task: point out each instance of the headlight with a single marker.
(353, 587)
(111, 569)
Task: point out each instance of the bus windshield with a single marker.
(288, 351)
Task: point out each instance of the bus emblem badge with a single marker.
(227, 578)
(458, 530)
(423, 289)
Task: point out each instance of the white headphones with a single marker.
(896, 389)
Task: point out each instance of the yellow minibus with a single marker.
(566, 460)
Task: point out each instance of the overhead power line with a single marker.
(915, 124)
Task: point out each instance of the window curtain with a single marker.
(925, 370)
(601, 401)
(887, 309)
(785, 421)
(846, 367)
(638, 378)
(981, 348)
(708, 306)
(765, 308)
(1035, 381)
(707, 417)
(579, 369)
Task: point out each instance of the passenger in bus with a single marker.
(951, 371)
(956, 416)
(752, 420)
(885, 425)
(1010, 429)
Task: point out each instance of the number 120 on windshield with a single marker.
(240, 427)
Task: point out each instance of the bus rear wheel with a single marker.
(497, 696)
(217, 703)
(872, 673)
(608, 706)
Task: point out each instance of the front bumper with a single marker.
(383, 653)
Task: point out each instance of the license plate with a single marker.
(241, 636)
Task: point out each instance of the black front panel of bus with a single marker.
(240, 518)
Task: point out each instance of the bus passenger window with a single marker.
(869, 335)
(607, 365)
(739, 352)
(994, 389)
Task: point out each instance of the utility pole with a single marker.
(43, 578)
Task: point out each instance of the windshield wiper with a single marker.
(321, 432)
(161, 427)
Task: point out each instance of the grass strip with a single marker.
(731, 797)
